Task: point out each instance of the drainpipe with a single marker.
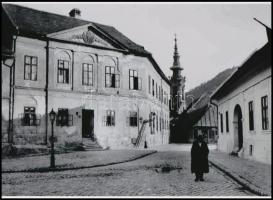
(46, 90)
(13, 84)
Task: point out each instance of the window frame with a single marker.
(221, 123)
(133, 119)
(264, 112)
(112, 76)
(251, 116)
(135, 82)
(66, 78)
(31, 66)
(227, 122)
(29, 113)
(68, 117)
(110, 117)
(88, 66)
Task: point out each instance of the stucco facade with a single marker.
(75, 97)
(102, 85)
(256, 144)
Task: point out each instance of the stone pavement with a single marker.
(73, 160)
(254, 175)
(141, 177)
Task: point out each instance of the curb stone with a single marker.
(252, 188)
(47, 169)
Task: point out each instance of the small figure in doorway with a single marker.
(199, 158)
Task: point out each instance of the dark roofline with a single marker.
(248, 68)
(96, 25)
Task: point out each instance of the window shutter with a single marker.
(117, 80)
(139, 84)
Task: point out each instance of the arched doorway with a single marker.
(238, 128)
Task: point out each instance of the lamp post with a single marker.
(52, 116)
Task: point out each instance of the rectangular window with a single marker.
(251, 150)
(221, 121)
(134, 80)
(250, 115)
(156, 90)
(30, 68)
(227, 124)
(29, 117)
(153, 87)
(156, 122)
(149, 84)
(87, 74)
(264, 102)
(133, 118)
(110, 118)
(62, 117)
(63, 71)
(112, 79)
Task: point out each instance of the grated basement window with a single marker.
(109, 119)
(29, 117)
(63, 118)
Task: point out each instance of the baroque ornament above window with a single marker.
(90, 38)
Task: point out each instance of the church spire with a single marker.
(176, 57)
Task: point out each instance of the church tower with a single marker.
(178, 103)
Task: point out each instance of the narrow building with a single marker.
(103, 86)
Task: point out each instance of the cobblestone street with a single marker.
(142, 177)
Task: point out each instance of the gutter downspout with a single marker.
(13, 84)
(46, 91)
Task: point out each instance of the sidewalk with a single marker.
(253, 175)
(75, 160)
(179, 147)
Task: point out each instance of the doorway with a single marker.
(88, 124)
(238, 128)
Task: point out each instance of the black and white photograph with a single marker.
(136, 100)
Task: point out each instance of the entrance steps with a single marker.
(90, 145)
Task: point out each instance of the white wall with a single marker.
(252, 90)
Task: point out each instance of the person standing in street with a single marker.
(199, 158)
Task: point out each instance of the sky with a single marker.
(211, 36)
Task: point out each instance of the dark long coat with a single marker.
(199, 158)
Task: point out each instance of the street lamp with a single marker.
(52, 116)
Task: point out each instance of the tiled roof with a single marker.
(40, 23)
(200, 95)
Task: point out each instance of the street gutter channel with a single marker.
(245, 186)
(47, 169)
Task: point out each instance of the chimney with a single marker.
(75, 12)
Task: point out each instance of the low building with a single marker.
(244, 108)
(97, 80)
(200, 116)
